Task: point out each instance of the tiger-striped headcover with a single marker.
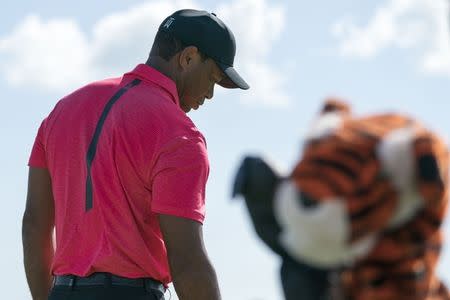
(344, 161)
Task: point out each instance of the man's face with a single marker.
(199, 81)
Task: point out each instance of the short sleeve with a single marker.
(37, 157)
(179, 179)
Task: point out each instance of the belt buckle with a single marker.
(72, 281)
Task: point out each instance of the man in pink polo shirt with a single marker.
(119, 171)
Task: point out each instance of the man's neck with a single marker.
(162, 66)
(167, 69)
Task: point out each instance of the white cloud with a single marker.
(257, 26)
(57, 55)
(50, 54)
(269, 87)
(405, 24)
(254, 23)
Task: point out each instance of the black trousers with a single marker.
(104, 292)
(302, 282)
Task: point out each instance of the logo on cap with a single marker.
(169, 22)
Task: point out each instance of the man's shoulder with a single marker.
(96, 90)
(100, 86)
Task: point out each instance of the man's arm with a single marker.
(37, 229)
(193, 275)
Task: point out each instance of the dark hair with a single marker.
(166, 46)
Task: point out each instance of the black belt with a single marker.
(107, 278)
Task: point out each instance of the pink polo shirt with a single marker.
(119, 152)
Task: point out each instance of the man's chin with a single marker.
(188, 109)
(185, 108)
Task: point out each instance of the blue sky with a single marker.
(380, 55)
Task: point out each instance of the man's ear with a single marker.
(187, 56)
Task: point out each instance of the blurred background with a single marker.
(380, 55)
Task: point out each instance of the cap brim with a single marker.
(232, 79)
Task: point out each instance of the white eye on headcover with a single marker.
(324, 126)
(396, 154)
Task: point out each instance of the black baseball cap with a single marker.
(211, 36)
